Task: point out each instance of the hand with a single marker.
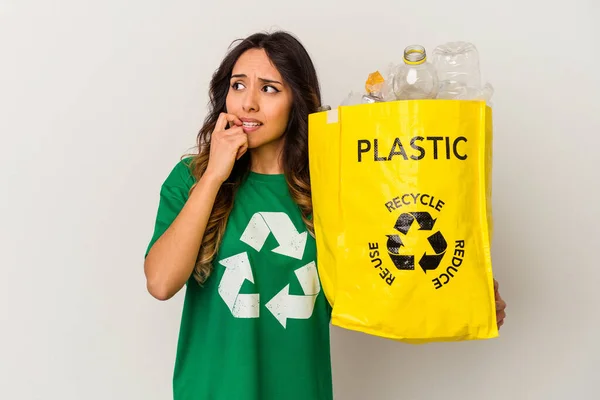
(500, 306)
(226, 146)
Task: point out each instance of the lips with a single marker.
(251, 121)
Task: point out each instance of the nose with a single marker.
(251, 101)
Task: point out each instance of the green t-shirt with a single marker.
(258, 329)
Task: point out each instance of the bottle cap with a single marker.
(374, 83)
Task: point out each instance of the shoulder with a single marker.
(181, 174)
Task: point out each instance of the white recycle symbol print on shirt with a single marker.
(283, 306)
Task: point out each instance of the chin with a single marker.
(255, 142)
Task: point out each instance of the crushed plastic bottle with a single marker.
(459, 76)
(416, 78)
(353, 98)
(453, 73)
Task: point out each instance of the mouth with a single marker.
(250, 125)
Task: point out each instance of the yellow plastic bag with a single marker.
(401, 206)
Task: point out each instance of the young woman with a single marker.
(234, 227)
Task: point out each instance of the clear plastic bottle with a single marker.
(416, 79)
(459, 76)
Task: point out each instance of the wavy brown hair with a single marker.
(294, 64)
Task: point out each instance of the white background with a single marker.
(98, 100)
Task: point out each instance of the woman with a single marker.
(234, 226)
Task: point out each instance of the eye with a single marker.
(238, 86)
(270, 89)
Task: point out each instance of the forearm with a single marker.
(172, 258)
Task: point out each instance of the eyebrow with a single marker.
(260, 79)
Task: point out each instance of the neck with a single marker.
(267, 159)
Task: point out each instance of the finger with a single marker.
(235, 132)
(241, 151)
(496, 285)
(500, 324)
(225, 119)
(243, 148)
(500, 316)
(500, 305)
(221, 121)
(235, 120)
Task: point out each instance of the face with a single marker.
(260, 98)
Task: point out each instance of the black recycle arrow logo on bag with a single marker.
(428, 262)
